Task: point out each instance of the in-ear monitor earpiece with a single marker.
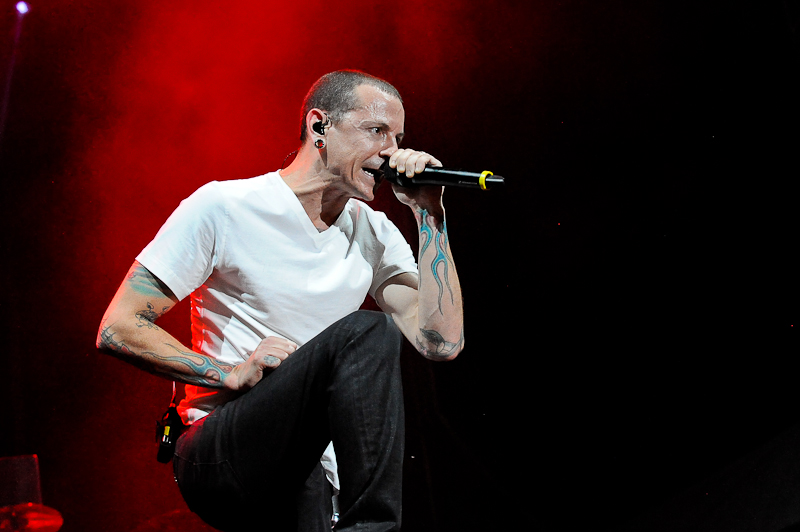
(319, 127)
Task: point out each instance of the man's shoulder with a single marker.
(237, 187)
(221, 195)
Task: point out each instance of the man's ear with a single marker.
(317, 121)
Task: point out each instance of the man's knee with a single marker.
(368, 338)
(378, 326)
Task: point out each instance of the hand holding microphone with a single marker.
(485, 180)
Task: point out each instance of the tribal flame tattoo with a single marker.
(442, 258)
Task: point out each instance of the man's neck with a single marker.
(312, 185)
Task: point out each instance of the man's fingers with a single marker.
(277, 341)
(272, 361)
(275, 346)
(267, 356)
(271, 351)
(412, 162)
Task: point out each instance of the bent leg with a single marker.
(255, 452)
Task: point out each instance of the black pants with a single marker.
(248, 461)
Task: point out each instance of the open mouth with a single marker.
(375, 173)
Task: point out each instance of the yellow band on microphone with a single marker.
(482, 180)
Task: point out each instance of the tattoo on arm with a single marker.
(441, 347)
(430, 234)
(170, 360)
(147, 318)
(143, 282)
(108, 342)
(204, 371)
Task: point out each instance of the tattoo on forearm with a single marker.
(428, 234)
(441, 347)
(171, 361)
(204, 371)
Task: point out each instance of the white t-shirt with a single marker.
(255, 266)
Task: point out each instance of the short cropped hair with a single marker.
(335, 93)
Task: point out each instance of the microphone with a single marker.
(444, 177)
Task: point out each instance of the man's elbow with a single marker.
(455, 352)
(104, 338)
(434, 347)
(110, 341)
(439, 357)
(443, 358)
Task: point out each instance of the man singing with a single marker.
(282, 361)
